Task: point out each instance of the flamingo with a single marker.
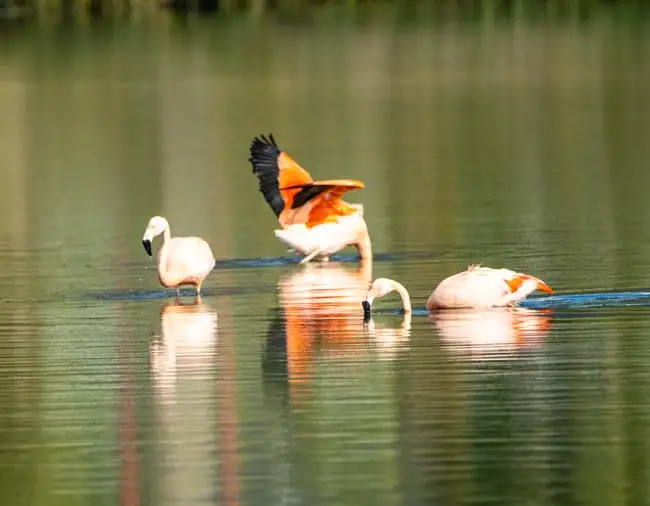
(315, 221)
(181, 260)
(477, 287)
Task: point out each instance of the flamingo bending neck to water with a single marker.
(181, 260)
(477, 287)
(315, 221)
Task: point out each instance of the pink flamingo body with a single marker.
(181, 260)
(477, 287)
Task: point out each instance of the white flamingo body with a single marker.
(323, 240)
(181, 260)
(184, 261)
(483, 287)
(476, 288)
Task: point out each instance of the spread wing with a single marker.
(289, 189)
(274, 170)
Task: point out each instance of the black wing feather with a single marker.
(264, 155)
(308, 192)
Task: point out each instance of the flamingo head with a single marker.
(378, 288)
(157, 225)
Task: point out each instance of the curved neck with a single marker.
(403, 293)
(162, 257)
(163, 275)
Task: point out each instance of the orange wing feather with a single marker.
(329, 205)
(291, 179)
(515, 283)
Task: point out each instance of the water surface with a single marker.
(518, 144)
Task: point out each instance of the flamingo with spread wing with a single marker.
(315, 220)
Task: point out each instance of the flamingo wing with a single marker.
(293, 195)
(518, 279)
(277, 173)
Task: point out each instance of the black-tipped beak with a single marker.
(366, 311)
(147, 246)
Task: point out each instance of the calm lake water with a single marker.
(516, 144)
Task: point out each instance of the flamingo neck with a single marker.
(163, 274)
(403, 293)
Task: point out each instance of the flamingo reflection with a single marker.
(183, 367)
(491, 334)
(321, 305)
(188, 342)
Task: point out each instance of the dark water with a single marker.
(524, 145)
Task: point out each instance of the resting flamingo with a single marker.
(315, 221)
(477, 287)
(181, 260)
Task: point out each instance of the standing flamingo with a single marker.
(315, 221)
(477, 287)
(181, 260)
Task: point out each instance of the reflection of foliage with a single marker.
(488, 11)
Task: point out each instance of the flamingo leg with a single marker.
(311, 255)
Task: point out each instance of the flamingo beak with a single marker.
(544, 287)
(147, 246)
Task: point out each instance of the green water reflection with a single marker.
(501, 143)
